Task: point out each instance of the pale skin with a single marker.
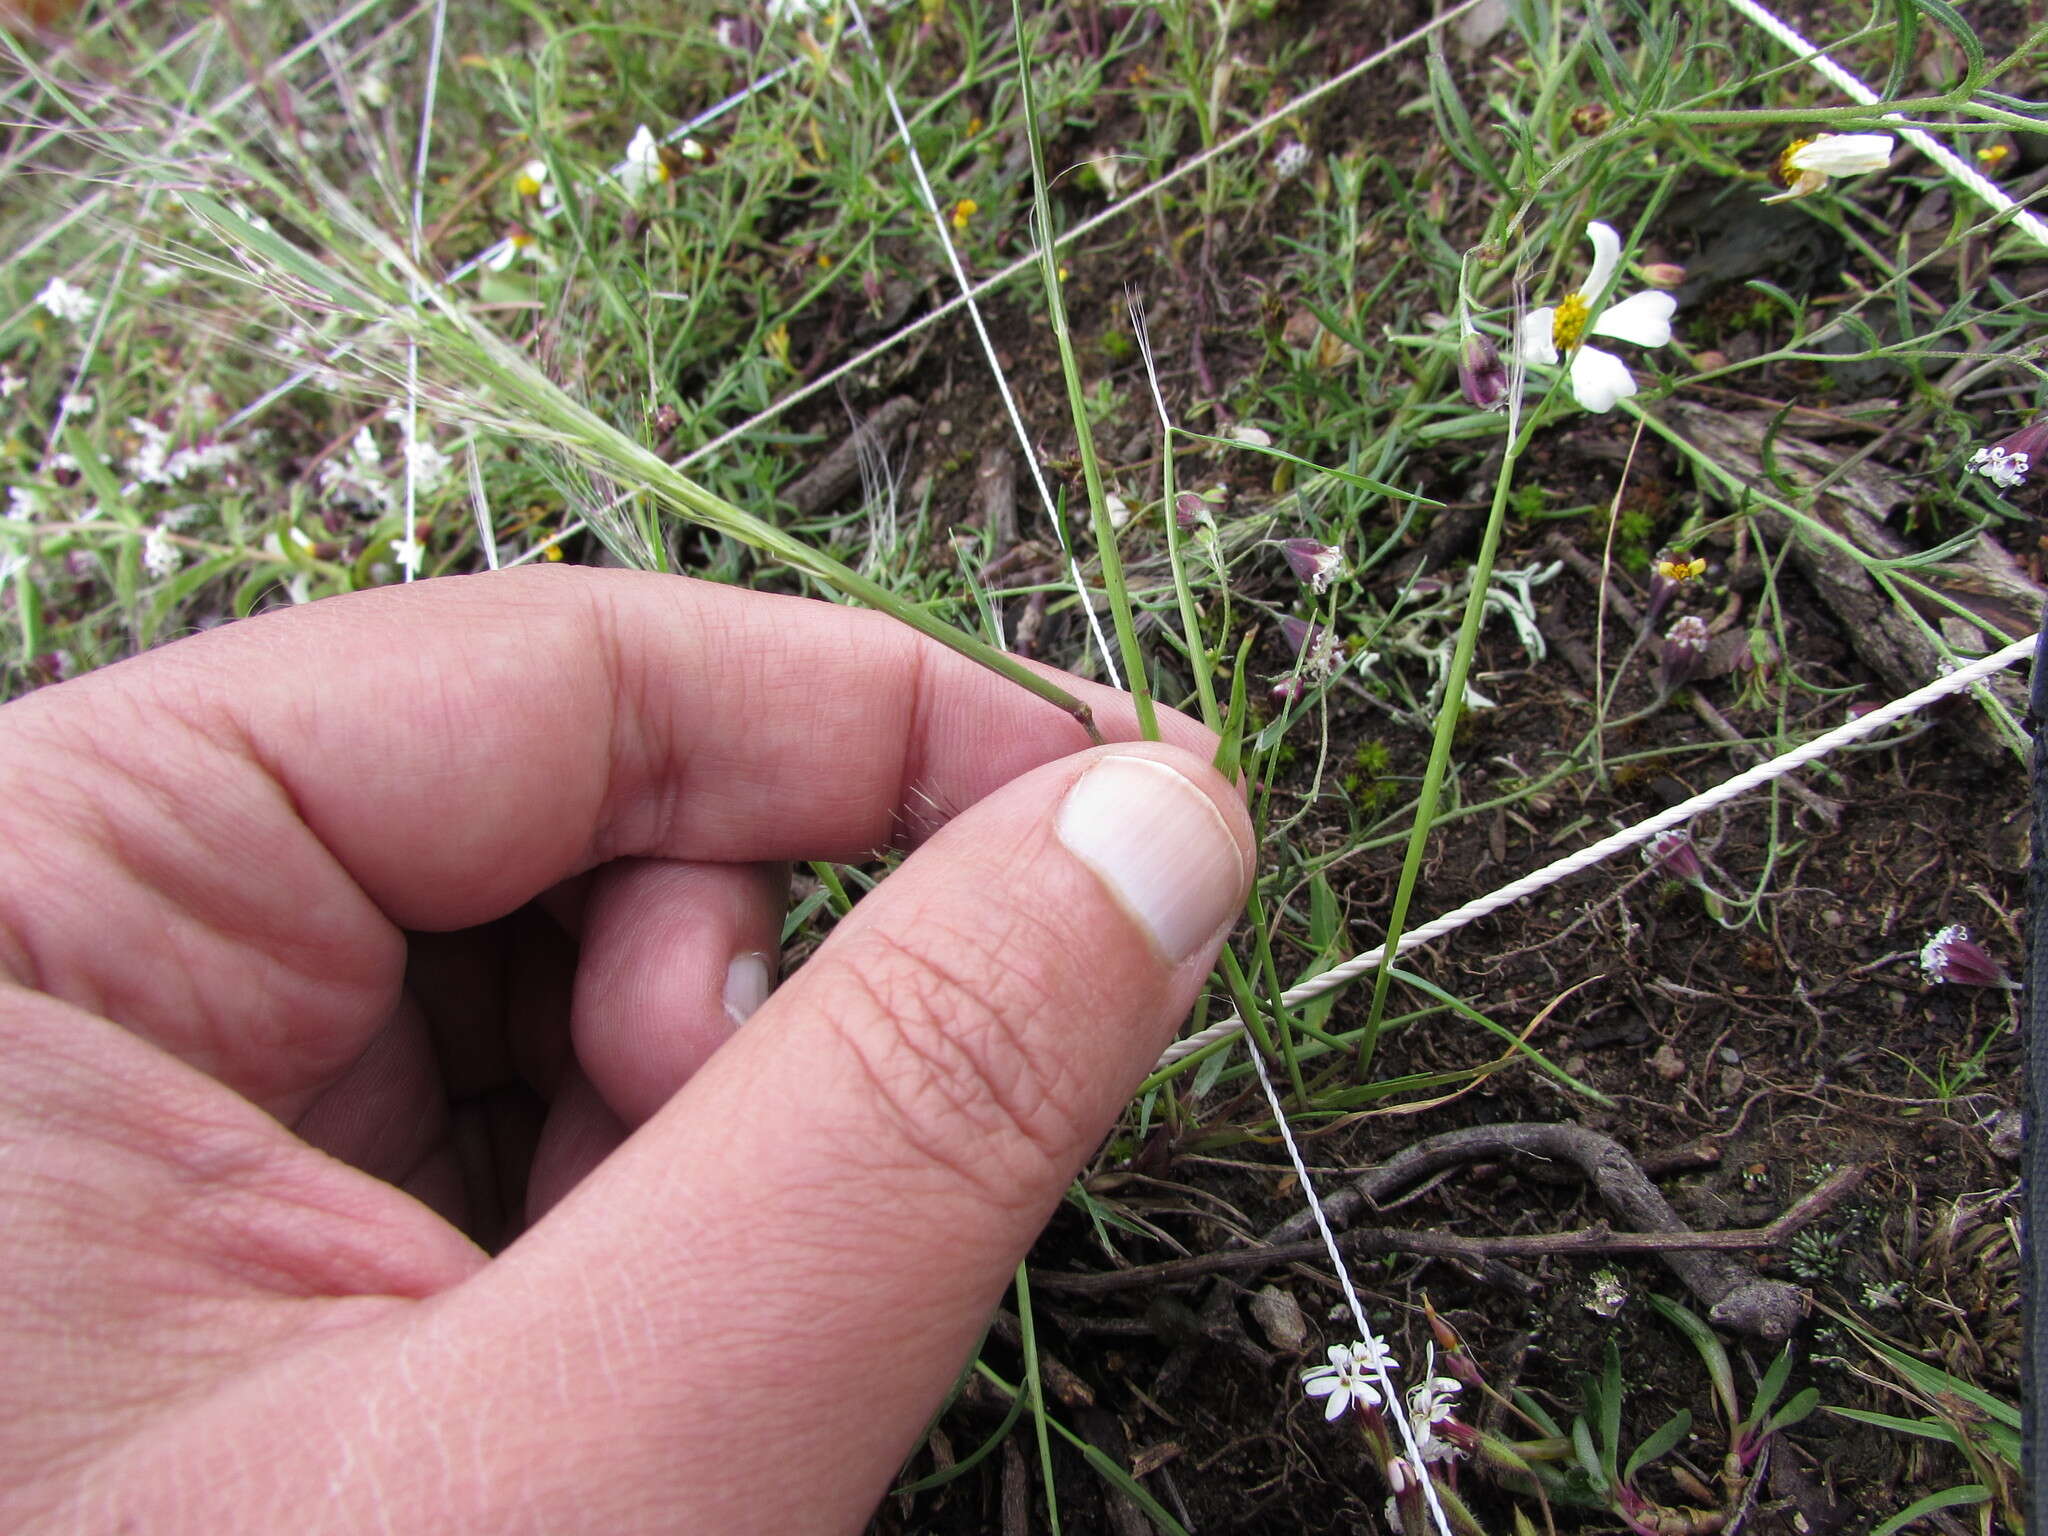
(296, 915)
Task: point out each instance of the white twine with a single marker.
(1395, 1408)
(1629, 837)
(1961, 170)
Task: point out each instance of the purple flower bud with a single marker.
(1300, 635)
(738, 33)
(1314, 565)
(2009, 462)
(1190, 510)
(1953, 956)
(1287, 690)
(1684, 648)
(1482, 376)
(1671, 854)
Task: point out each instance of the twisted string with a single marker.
(1629, 837)
(1958, 168)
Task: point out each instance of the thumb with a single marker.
(744, 1318)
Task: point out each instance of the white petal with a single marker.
(1606, 257)
(1844, 154)
(501, 258)
(1339, 1401)
(1539, 342)
(642, 149)
(1643, 318)
(1600, 378)
(1319, 1386)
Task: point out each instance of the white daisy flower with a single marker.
(408, 553)
(1807, 165)
(1598, 378)
(517, 245)
(533, 182)
(643, 167)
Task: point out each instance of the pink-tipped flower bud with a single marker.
(1672, 854)
(1191, 510)
(1683, 650)
(1482, 376)
(2014, 459)
(1954, 957)
(1662, 274)
(1314, 565)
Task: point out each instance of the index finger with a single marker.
(217, 842)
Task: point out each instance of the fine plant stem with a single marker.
(1449, 711)
(1106, 548)
(1034, 1390)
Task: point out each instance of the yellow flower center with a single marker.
(1681, 569)
(1568, 328)
(1787, 172)
(528, 186)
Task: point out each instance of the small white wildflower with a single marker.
(1291, 160)
(152, 453)
(200, 459)
(22, 503)
(643, 166)
(1807, 165)
(373, 92)
(1255, 437)
(1347, 1379)
(11, 383)
(1117, 509)
(2002, 469)
(2007, 462)
(156, 276)
(67, 302)
(160, 556)
(357, 479)
(1598, 378)
(77, 404)
(430, 466)
(408, 553)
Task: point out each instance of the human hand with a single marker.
(243, 1132)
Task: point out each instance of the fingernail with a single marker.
(747, 981)
(1161, 847)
